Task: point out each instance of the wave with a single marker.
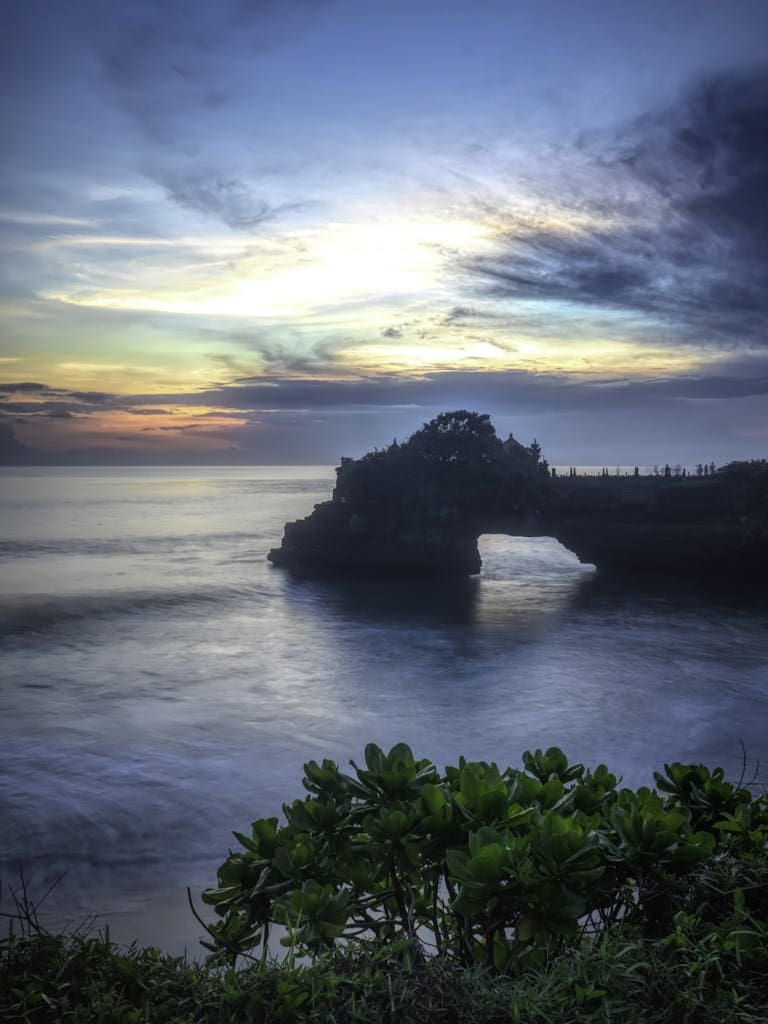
(46, 613)
(135, 545)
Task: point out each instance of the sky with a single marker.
(282, 231)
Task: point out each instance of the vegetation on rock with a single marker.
(455, 468)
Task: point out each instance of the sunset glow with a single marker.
(504, 215)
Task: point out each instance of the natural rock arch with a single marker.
(418, 509)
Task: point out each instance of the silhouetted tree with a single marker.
(454, 469)
(460, 436)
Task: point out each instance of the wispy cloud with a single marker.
(166, 60)
(225, 198)
(694, 256)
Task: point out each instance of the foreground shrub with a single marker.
(503, 868)
(545, 895)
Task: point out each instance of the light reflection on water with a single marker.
(163, 684)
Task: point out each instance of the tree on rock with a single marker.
(420, 506)
(457, 437)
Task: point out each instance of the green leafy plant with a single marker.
(477, 864)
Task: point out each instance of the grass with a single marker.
(702, 972)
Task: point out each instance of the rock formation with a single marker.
(418, 508)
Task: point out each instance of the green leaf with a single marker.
(485, 866)
(374, 758)
(457, 861)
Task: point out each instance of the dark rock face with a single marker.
(417, 509)
(709, 526)
(326, 543)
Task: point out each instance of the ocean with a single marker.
(161, 684)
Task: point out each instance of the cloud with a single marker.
(290, 353)
(26, 387)
(226, 198)
(167, 59)
(158, 65)
(292, 419)
(696, 261)
(12, 451)
(460, 314)
(737, 378)
(91, 397)
(506, 389)
(180, 428)
(61, 403)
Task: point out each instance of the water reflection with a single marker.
(524, 583)
(394, 602)
(527, 585)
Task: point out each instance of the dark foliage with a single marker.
(504, 868)
(546, 895)
(454, 470)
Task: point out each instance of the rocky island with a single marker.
(418, 509)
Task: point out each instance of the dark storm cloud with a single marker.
(698, 263)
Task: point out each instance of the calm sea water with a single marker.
(162, 684)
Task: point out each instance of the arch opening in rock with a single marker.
(505, 556)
